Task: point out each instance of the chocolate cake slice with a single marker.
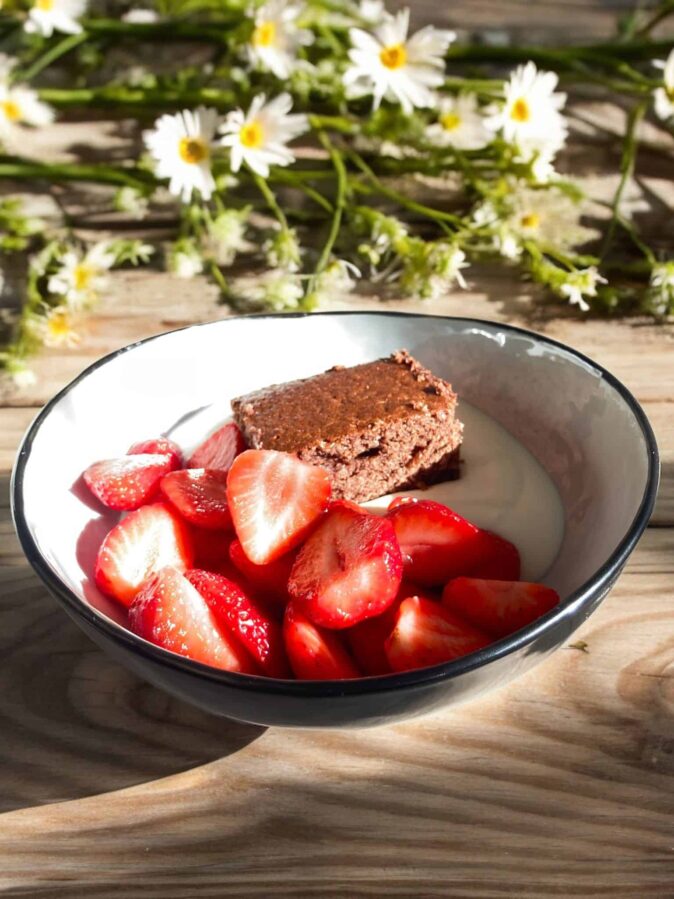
(378, 427)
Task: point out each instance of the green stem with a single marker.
(270, 199)
(340, 202)
(51, 55)
(663, 12)
(285, 177)
(20, 169)
(627, 162)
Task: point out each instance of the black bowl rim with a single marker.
(417, 678)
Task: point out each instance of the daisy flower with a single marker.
(664, 96)
(530, 116)
(276, 37)
(259, 137)
(580, 284)
(548, 217)
(390, 64)
(181, 145)
(47, 16)
(56, 328)
(82, 277)
(227, 233)
(184, 260)
(459, 124)
(19, 105)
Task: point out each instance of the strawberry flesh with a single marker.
(270, 580)
(200, 495)
(436, 543)
(427, 634)
(498, 607)
(239, 615)
(314, 653)
(219, 450)
(274, 500)
(170, 612)
(161, 445)
(127, 483)
(499, 559)
(348, 570)
(141, 544)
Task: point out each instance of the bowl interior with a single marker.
(570, 417)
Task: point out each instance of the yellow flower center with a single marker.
(252, 135)
(59, 329)
(520, 111)
(44, 5)
(264, 34)
(192, 150)
(450, 121)
(82, 276)
(530, 220)
(10, 110)
(393, 57)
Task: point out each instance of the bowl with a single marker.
(580, 423)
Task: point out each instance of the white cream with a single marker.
(504, 489)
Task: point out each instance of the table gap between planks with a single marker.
(557, 785)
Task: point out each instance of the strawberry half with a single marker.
(219, 450)
(366, 640)
(401, 501)
(274, 500)
(237, 614)
(499, 608)
(211, 548)
(160, 445)
(171, 613)
(145, 541)
(436, 543)
(499, 559)
(348, 570)
(270, 580)
(315, 654)
(427, 634)
(127, 483)
(200, 495)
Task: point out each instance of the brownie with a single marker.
(378, 427)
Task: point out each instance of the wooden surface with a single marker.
(558, 785)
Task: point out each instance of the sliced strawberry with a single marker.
(499, 608)
(436, 543)
(348, 504)
(219, 450)
(127, 483)
(348, 570)
(315, 654)
(160, 445)
(499, 559)
(426, 634)
(270, 580)
(171, 613)
(366, 640)
(145, 541)
(274, 500)
(239, 615)
(401, 501)
(200, 495)
(211, 548)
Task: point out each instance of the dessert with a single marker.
(377, 427)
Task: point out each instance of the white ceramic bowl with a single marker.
(579, 422)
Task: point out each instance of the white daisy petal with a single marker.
(181, 146)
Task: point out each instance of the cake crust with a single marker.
(376, 427)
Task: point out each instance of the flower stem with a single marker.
(51, 55)
(270, 198)
(21, 169)
(340, 202)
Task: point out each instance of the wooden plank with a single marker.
(558, 784)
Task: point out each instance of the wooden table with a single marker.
(557, 785)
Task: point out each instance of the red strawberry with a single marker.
(436, 543)
(200, 495)
(159, 445)
(211, 548)
(237, 614)
(499, 608)
(270, 580)
(348, 570)
(274, 500)
(171, 613)
(366, 640)
(427, 634)
(499, 559)
(401, 501)
(219, 450)
(315, 654)
(145, 541)
(129, 482)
